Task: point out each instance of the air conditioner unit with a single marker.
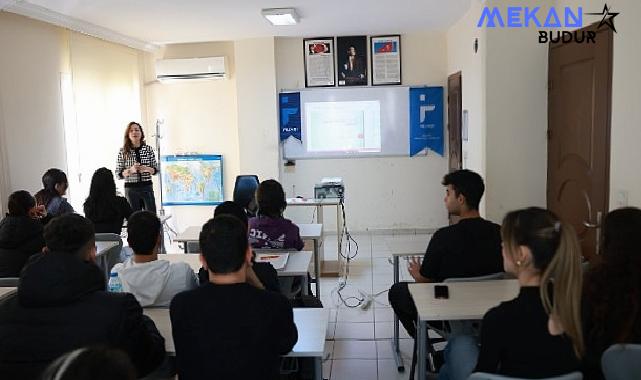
(191, 68)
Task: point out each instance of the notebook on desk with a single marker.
(278, 261)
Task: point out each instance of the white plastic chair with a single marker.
(110, 257)
(622, 362)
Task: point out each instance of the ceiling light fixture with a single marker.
(281, 16)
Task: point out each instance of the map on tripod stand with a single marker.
(192, 180)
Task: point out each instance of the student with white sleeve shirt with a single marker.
(153, 282)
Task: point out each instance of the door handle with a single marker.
(596, 226)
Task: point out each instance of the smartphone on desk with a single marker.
(441, 292)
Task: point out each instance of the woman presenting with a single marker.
(136, 164)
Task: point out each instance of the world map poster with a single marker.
(192, 180)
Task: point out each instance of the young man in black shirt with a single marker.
(229, 329)
(470, 248)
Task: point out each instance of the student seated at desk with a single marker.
(611, 297)
(262, 275)
(229, 329)
(470, 248)
(269, 229)
(103, 207)
(61, 305)
(55, 185)
(20, 233)
(153, 282)
(538, 334)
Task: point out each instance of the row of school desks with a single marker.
(311, 324)
(467, 301)
(312, 232)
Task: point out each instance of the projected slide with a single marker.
(348, 126)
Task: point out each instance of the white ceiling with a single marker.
(179, 21)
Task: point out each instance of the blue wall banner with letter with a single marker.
(290, 122)
(426, 120)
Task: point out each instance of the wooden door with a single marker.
(454, 126)
(454, 117)
(579, 106)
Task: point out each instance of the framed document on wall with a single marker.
(319, 62)
(351, 53)
(386, 60)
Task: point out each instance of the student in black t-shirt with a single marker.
(538, 334)
(470, 248)
(229, 329)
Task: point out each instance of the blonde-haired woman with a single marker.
(136, 164)
(538, 334)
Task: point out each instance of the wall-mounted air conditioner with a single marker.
(191, 68)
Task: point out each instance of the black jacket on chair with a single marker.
(20, 237)
(61, 304)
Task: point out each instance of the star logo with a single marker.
(608, 17)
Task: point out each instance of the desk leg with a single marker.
(395, 341)
(317, 268)
(339, 237)
(319, 220)
(318, 368)
(422, 348)
(163, 250)
(305, 284)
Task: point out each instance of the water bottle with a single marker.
(114, 284)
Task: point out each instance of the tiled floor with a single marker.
(358, 345)
(358, 342)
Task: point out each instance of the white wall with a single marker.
(625, 153)
(516, 111)
(33, 56)
(257, 107)
(461, 57)
(381, 193)
(505, 93)
(199, 116)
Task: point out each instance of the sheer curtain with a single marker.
(101, 95)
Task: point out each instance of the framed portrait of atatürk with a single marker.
(351, 58)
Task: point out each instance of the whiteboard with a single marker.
(394, 120)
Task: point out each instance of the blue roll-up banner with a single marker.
(290, 122)
(426, 119)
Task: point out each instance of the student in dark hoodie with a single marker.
(61, 305)
(20, 233)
